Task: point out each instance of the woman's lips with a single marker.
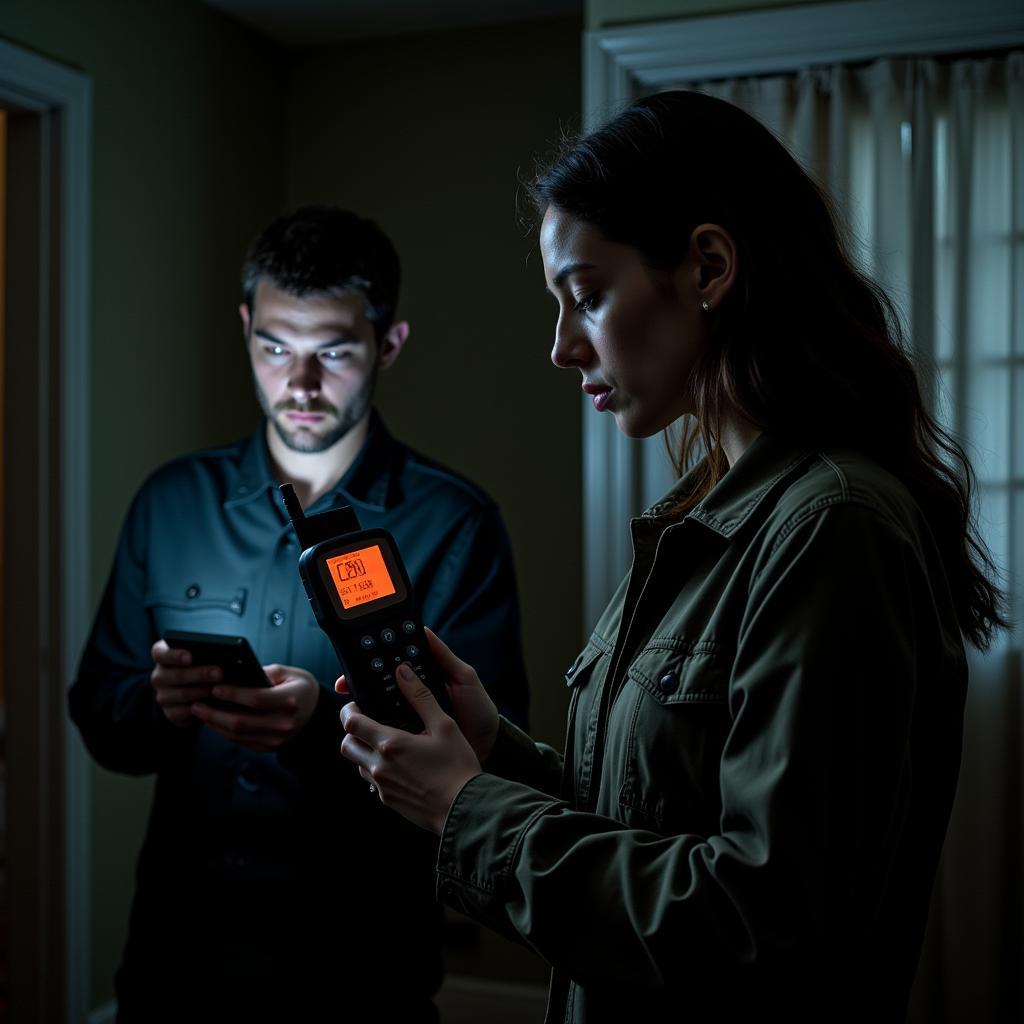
(599, 393)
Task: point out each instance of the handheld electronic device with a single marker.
(231, 654)
(361, 596)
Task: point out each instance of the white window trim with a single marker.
(34, 83)
(620, 63)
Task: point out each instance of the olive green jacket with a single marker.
(763, 744)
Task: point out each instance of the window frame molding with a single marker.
(620, 474)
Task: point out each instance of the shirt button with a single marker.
(277, 617)
(669, 682)
(236, 605)
(192, 591)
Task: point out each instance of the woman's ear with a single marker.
(713, 254)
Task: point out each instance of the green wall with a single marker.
(186, 107)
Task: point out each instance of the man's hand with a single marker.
(178, 683)
(265, 718)
(417, 775)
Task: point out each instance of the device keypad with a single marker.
(382, 662)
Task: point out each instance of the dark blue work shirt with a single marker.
(242, 845)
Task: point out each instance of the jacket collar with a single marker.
(370, 482)
(734, 499)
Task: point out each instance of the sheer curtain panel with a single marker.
(926, 161)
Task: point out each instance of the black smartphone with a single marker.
(231, 654)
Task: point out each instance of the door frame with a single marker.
(63, 99)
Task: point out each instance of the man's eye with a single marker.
(335, 355)
(275, 351)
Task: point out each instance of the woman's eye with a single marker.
(586, 304)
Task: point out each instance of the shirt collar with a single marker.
(737, 495)
(370, 482)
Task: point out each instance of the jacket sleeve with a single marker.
(516, 756)
(112, 700)
(474, 607)
(813, 786)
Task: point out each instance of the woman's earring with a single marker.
(704, 305)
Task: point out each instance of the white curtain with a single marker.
(926, 159)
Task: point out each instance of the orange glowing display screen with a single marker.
(361, 576)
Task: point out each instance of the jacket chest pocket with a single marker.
(197, 607)
(676, 715)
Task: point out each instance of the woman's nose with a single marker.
(571, 348)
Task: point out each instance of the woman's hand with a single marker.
(472, 707)
(417, 775)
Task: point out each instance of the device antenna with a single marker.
(292, 503)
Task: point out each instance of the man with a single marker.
(265, 851)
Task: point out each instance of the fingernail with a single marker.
(405, 673)
(214, 673)
(184, 657)
(218, 691)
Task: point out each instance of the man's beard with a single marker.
(306, 441)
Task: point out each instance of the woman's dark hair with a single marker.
(322, 250)
(804, 344)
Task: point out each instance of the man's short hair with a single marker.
(323, 250)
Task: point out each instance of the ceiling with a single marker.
(317, 22)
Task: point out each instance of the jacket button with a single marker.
(669, 682)
(277, 617)
(192, 591)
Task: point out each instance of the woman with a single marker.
(765, 726)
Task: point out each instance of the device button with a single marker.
(408, 627)
(367, 643)
(277, 617)
(387, 635)
(412, 651)
(377, 664)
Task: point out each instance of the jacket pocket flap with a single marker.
(678, 671)
(581, 668)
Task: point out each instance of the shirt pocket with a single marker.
(197, 607)
(678, 722)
